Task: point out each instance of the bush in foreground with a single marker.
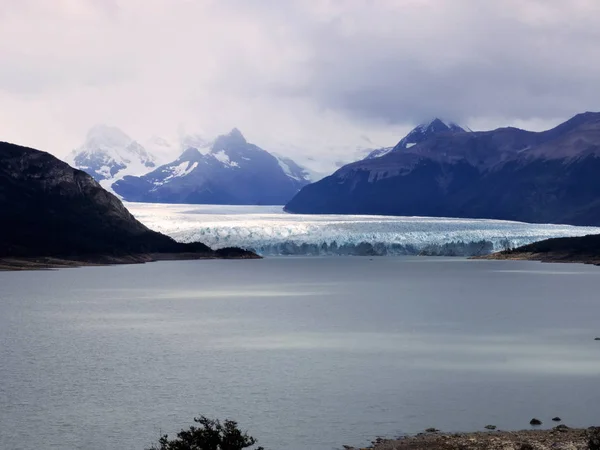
(209, 435)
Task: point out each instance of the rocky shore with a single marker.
(557, 438)
(514, 255)
(584, 249)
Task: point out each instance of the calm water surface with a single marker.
(306, 353)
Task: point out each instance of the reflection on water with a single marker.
(490, 353)
(305, 353)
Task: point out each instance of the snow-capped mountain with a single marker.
(228, 171)
(109, 154)
(419, 134)
(426, 130)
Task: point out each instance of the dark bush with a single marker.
(209, 435)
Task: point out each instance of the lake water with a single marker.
(306, 353)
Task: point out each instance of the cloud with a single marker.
(462, 59)
(315, 79)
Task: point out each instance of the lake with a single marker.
(306, 353)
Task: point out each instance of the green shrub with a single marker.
(209, 435)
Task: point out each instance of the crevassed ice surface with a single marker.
(270, 231)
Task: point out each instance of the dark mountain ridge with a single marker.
(508, 173)
(49, 209)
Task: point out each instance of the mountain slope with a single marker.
(232, 171)
(49, 209)
(506, 173)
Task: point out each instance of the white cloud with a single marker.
(307, 78)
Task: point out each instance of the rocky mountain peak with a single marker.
(434, 126)
(426, 130)
(190, 154)
(234, 138)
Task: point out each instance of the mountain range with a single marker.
(228, 170)
(443, 170)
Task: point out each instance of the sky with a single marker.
(311, 79)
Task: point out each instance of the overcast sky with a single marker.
(305, 77)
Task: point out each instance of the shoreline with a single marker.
(582, 249)
(565, 258)
(560, 437)
(17, 264)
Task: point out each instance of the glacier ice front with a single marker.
(269, 231)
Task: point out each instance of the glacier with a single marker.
(270, 231)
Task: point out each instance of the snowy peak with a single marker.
(108, 154)
(426, 130)
(417, 135)
(437, 126)
(232, 151)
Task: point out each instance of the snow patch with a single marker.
(104, 171)
(286, 169)
(223, 157)
(181, 170)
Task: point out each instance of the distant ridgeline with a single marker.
(441, 170)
